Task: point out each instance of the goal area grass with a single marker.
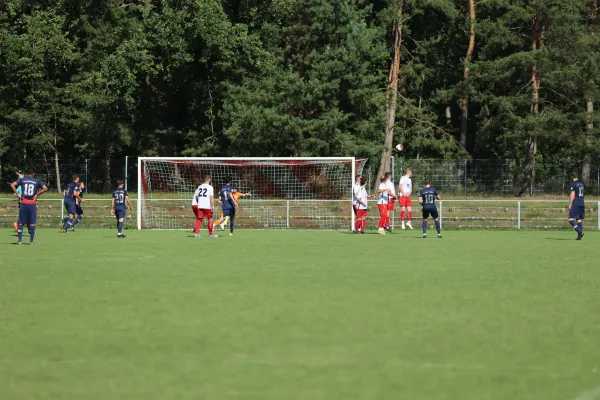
(299, 315)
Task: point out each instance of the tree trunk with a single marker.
(106, 180)
(531, 151)
(589, 113)
(464, 101)
(392, 90)
(587, 158)
(56, 163)
(448, 116)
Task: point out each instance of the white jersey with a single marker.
(355, 191)
(202, 196)
(390, 185)
(362, 194)
(406, 184)
(383, 196)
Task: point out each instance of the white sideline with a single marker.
(589, 395)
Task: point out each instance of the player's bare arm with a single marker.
(401, 190)
(571, 198)
(43, 189)
(212, 203)
(421, 199)
(112, 206)
(14, 186)
(128, 202)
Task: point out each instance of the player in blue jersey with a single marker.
(427, 198)
(228, 203)
(577, 205)
(31, 188)
(71, 198)
(78, 208)
(119, 203)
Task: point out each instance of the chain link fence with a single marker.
(459, 177)
(98, 178)
(493, 177)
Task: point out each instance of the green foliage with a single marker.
(109, 78)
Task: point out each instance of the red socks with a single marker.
(210, 227)
(409, 216)
(197, 228)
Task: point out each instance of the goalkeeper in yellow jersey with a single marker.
(222, 222)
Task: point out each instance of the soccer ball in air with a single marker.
(399, 147)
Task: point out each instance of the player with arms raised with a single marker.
(577, 205)
(405, 188)
(31, 188)
(118, 206)
(205, 200)
(228, 203)
(427, 198)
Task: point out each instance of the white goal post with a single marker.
(285, 193)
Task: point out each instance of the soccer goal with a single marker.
(285, 193)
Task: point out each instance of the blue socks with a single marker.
(20, 232)
(31, 233)
(120, 228)
(438, 227)
(424, 227)
(578, 227)
(77, 220)
(231, 224)
(68, 223)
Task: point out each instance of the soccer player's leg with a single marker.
(120, 215)
(209, 216)
(23, 220)
(388, 221)
(79, 212)
(382, 218)
(32, 223)
(402, 210)
(408, 203)
(231, 220)
(357, 219)
(436, 218)
(574, 221)
(71, 210)
(580, 219)
(197, 222)
(364, 221)
(424, 225)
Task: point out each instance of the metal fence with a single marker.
(293, 214)
(490, 177)
(92, 173)
(462, 177)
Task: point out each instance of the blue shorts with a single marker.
(577, 212)
(28, 214)
(430, 211)
(71, 207)
(120, 213)
(78, 209)
(229, 212)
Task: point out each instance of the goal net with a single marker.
(286, 193)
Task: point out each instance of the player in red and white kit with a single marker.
(382, 203)
(355, 191)
(405, 188)
(203, 205)
(392, 199)
(361, 212)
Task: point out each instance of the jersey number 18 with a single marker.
(28, 189)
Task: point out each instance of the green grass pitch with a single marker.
(300, 315)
